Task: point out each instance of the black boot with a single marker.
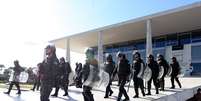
(136, 93)
(19, 92)
(111, 92)
(136, 96)
(7, 93)
(66, 94)
(54, 95)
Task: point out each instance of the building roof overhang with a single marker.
(177, 20)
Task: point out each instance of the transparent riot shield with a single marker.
(97, 77)
(182, 72)
(169, 72)
(23, 77)
(161, 72)
(71, 78)
(147, 74)
(11, 78)
(141, 73)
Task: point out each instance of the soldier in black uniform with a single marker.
(78, 79)
(123, 72)
(49, 66)
(37, 78)
(153, 65)
(17, 70)
(175, 71)
(109, 68)
(138, 68)
(89, 74)
(164, 64)
(62, 79)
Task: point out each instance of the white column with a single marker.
(68, 50)
(149, 38)
(100, 48)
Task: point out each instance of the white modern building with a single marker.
(175, 32)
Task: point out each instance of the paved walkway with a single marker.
(76, 95)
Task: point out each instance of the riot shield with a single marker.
(97, 77)
(71, 78)
(22, 78)
(161, 72)
(182, 72)
(169, 72)
(141, 73)
(147, 74)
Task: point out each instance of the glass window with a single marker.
(171, 40)
(140, 45)
(196, 36)
(196, 67)
(184, 38)
(159, 42)
(195, 53)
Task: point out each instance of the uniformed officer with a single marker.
(175, 72)
(78, 79)
(153, 65)
(123, 72)
(109, 68)
(138, 68)
(17, 70)
(165, 66)
(37, 78)
(90, 73)
(62, 79)
(49, 66)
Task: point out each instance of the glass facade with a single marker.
(159, 44)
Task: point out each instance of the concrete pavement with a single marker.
(189, 86)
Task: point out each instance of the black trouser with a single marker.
(162, 83)
(45, 91)
(36, 84)
(64, 83)
(156, 84)
(122, 91)
(16, 84)
(174, 77)
(138, 83)
(108, 89)
(78, 82)
(88, 96)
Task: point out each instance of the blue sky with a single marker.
(27, 25)
(82, 15)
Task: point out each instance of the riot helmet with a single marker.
(50, 49)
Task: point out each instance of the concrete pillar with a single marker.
(100, 48)
(148, 38)
(68, 50)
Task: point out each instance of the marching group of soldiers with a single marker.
(55, 73)
(153, 70)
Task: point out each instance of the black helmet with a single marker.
(119, 54)
(52, 47)
(150, 56)
(109, 57)
(136, 53)
(90, 50)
